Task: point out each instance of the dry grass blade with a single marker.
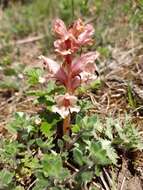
(123, 182)
(104, 182)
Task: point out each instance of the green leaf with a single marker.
(111, 153)
(49, 98)
(89, 122)
(11, 128)
(19, 188)
(86, 176)
(86, 122)
(30, 162)
(78, 119)
(5, 178)
(104, 51)
(47, 129)
(96, 85)
(98, 154)
(60, 144)
(19, 122)
(11, 148)
(109, 127)
(46, 145)
(127, 136)
(33, 75)
(75, 128)
(78, 156)
(30, 128)
(51, 86)
(98, 126)
(85, 105)
(97, 170)
(52, 166)
(41, 184)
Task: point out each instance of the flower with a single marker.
(77, 28)
(59, 28)
(87, 78)
(85, 68)
(85, 37)
(54, 71)
(84, 63)
(50, 65)
(66, 104)
(82, 70)
(72, 38)
(89, 73)
(66, 47)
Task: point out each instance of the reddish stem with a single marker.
(66, 125)
(68, 62)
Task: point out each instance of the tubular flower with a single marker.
(87, 78)
(90, 71)
(71, 39)
(54, 70)
(65, 47)
(82, 70)
(59, 28)
(66, 104)
(84, 63)
(77, 28)
(50, 65)
(85, 37)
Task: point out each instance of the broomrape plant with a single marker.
(77, 69)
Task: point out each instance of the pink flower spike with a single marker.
(60, 29)
(66, 104)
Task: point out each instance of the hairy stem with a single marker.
(66, 125)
